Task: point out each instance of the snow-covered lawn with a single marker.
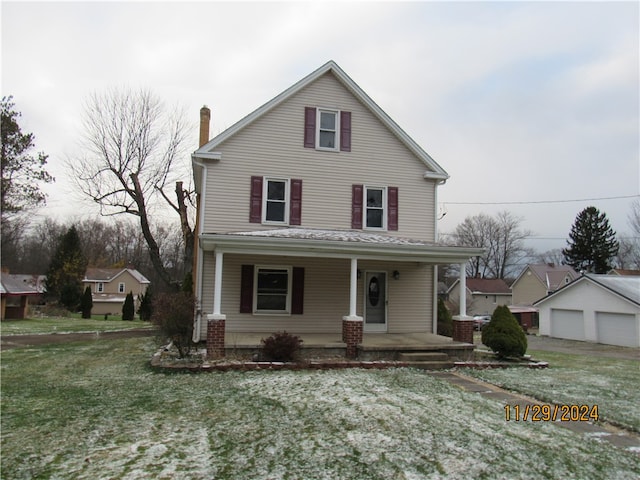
(95, 410)
(611, 383)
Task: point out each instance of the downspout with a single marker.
(434, 327)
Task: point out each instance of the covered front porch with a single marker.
(335, 288)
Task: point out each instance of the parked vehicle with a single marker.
(480, 321)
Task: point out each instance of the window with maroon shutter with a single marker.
(295, 214)
(345, 131)
(392, 208)
(356, 206)
(309, 127)
(255, 207)
(246, 289)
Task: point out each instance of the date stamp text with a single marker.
(551, 413)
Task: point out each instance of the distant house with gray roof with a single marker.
(483, 294)
(110, 286)
(18, 292)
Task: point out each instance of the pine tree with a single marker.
(146, 305)
(504, 335)
(67, 268)
(445, 320)
(592, 244)
(87, 303)
(128, 308)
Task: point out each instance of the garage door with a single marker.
(567, 324)
(617, 329)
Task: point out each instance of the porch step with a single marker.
(435, 365)
(423, 357)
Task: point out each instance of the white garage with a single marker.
(594, 308)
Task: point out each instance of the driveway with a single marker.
(16, 341)
(537, 342)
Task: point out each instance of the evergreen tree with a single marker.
(592, 244)
(128, 308)
(67, 268)
(504, 335)
(146, 305)
(87, 303)
(445, 320)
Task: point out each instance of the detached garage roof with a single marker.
(627, 287)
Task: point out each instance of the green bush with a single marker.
(173, 313)
(86, 303)
(281, 347)
(128, 308)
(445, 320)
(504, 335)
(146, 305)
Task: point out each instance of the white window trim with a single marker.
(385, 208)
(287, 200)
(336, 112)
(289, 270)
(121, 287)
(100, 287)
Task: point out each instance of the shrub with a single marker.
(146, 305)
(504, 335)
(281, 347)
(86, 303)
(445, 320)
(128, 309)
(173, 314)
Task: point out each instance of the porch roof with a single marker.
(307, 242)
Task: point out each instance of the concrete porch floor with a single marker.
(373, 346)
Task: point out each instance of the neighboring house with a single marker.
(483, 294)
(110, 286)
(537, 281)
(18, 292)
(594, 308)
(317, 209)
(622, 271)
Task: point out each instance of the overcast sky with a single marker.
(517, 101)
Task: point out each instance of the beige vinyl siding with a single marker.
(273, 146)
(326, 295)
(528, 289)
(131, 284)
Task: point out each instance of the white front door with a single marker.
(375, 303)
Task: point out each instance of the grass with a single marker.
(30, 326)
(611, 383)
(96, 410)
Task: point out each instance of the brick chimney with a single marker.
(205, 118)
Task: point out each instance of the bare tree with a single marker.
(629, 251)
(502, 238)
(131, 148)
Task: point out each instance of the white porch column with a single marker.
(353, 291)
(463, 290)
(217, 289)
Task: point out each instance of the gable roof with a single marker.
(207, 151)
(622, 271)
(493, 286)
(627, 287)
(549, 275)
(110, 274)
(17, 284)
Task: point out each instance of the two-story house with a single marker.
(110, 286)
(317, 214)
(539, 280)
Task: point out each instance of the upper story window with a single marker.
(374, 207)
(100, 287)
(327, 129)
(121, 287)
(275, 201)
(276, 198)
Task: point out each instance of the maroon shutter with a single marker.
(309, 127)
(345, 131)
(297, 291)
(392, 214)
(356, 206)
(295, 212)
(255, 207)
(246, 289)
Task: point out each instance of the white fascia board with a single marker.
(242, 244)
